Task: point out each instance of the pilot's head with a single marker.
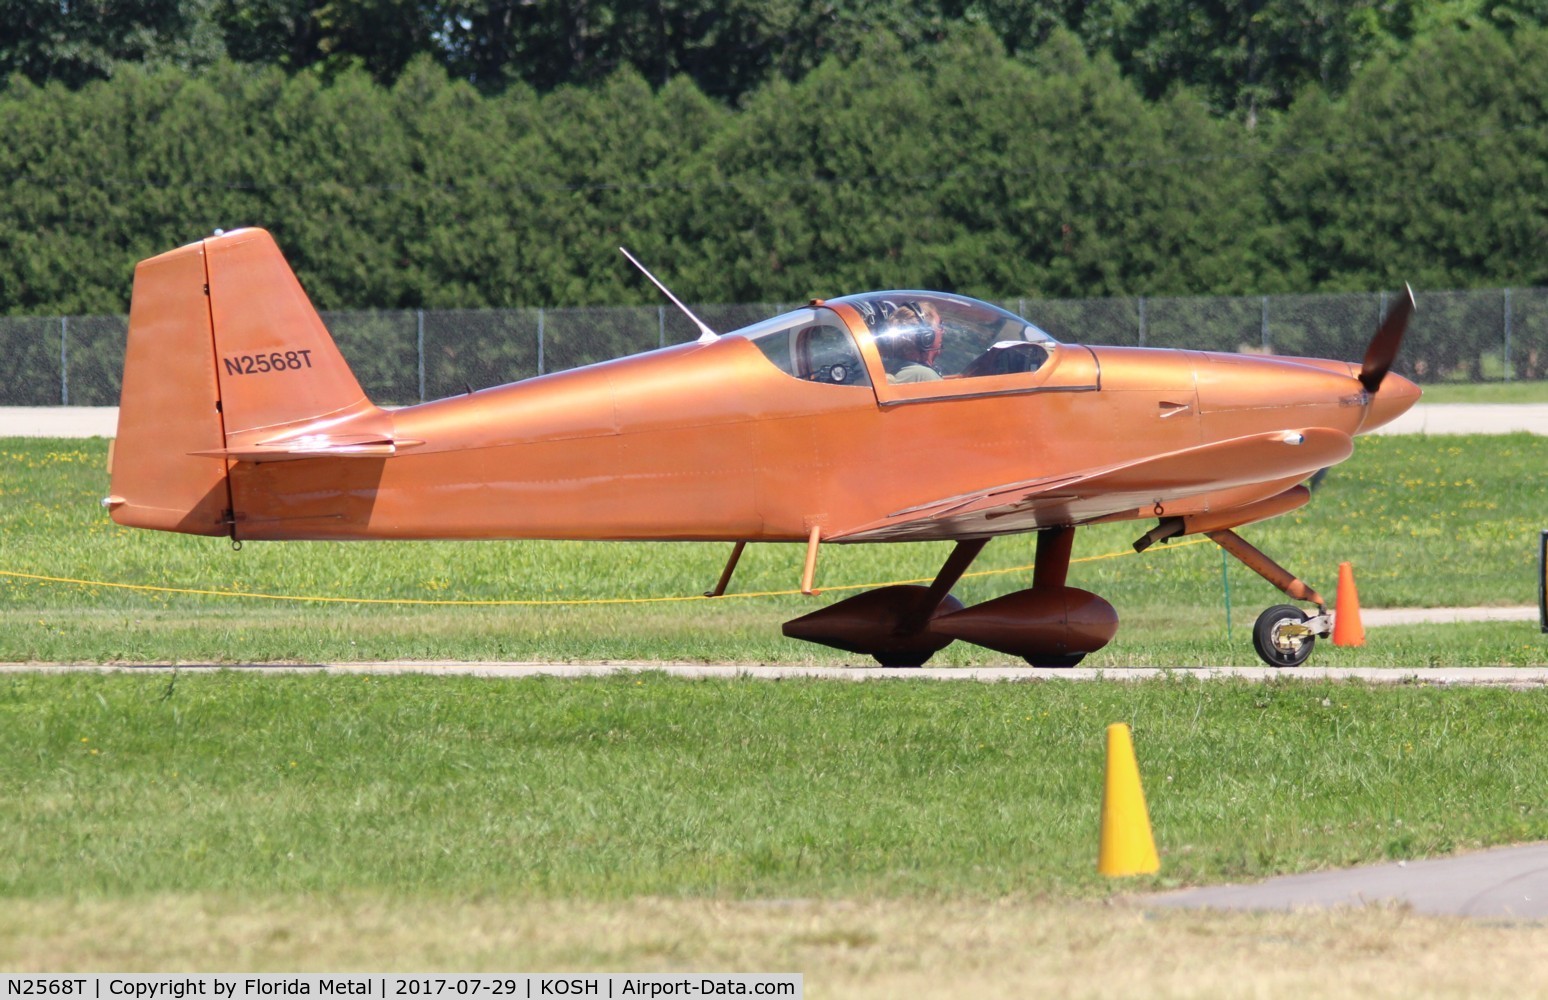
(912, 333)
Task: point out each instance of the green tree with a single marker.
(283, 33)
(970, 172)
(1431, 169)
(1125, 196)
(1250, 57)
(610, 146)
(77, 41)
(332, 36)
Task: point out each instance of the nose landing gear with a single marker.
(1283, 635)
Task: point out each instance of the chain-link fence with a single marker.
(414, 355)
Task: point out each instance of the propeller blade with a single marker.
(1384, 346)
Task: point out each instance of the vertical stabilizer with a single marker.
(277, 366)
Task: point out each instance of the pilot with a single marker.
(910, 343)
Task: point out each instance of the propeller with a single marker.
(1384, 346)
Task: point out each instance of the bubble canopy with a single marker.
(920, 336)
(960, 313)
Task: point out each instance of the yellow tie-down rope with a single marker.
(514, 603)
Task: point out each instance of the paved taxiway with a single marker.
(1505, 883)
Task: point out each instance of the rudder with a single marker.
(169, 405)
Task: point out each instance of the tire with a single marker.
(1276, 648)
(918, 657)
(1055, 660)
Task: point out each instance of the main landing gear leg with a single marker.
(962, 556)
(1050, 570)
(934, 598)
(895, 623)
(1284, 634)
(1052, 567)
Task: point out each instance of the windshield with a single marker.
(922, 336)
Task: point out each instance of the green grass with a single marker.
(317, 820)
(1487, 392)
(137, 784)
(1426, 522)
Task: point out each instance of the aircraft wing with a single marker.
(1092, 494)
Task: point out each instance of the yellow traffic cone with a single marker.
(1127, 845)
(1347, 627)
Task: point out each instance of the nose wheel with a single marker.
(1283, 637)
(1284, 634)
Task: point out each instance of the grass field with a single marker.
(1426, 522)
(1487, 392)
(889, 834)
(647, 786)
(884, 948)
(886, 838)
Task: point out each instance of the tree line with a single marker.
(1241, 56)
(955, 162)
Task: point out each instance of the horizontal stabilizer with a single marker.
(313, 446)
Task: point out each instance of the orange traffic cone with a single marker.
(1347, 630)
(1127, 845)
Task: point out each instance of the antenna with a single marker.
(706, 335)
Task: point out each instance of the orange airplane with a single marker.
(885, 416)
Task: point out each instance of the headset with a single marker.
(925, 338)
